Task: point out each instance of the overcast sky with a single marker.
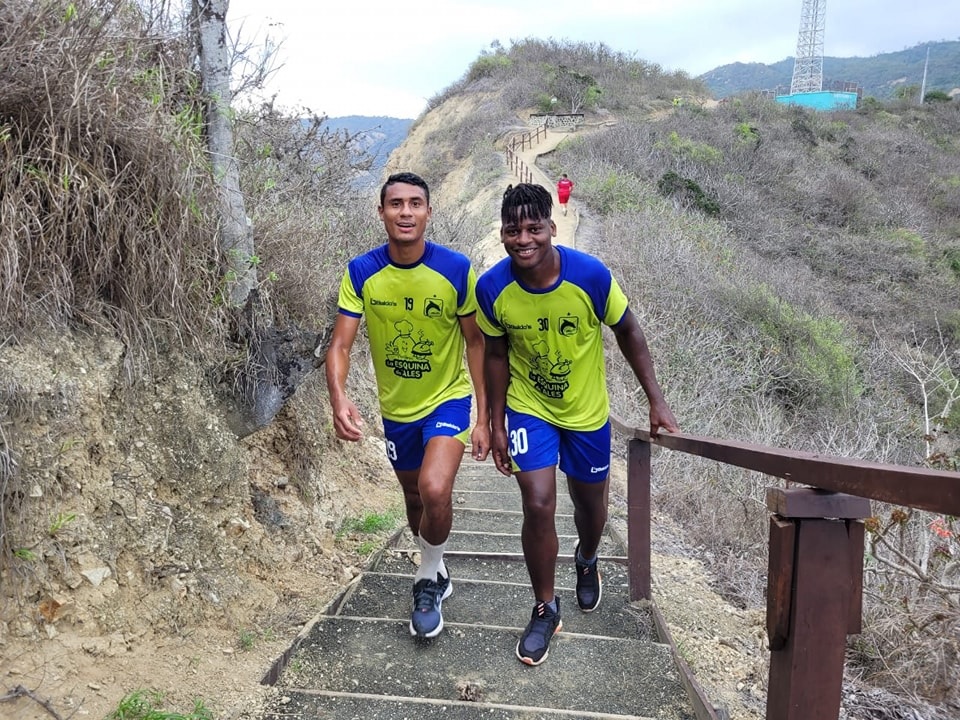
(374, 57)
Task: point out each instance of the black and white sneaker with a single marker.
(589, 585)
(534, 645)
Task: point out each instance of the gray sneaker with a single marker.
(428, 596)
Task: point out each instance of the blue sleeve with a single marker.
(591, 275)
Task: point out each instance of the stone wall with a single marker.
(551, 120)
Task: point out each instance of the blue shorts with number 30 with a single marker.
(535, 444)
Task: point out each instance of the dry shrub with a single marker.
(912, 645)
(103, 188)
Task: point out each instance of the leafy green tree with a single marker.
(937, 96)
(577, 89)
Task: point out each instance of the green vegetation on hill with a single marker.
(881, 76)
(578, 76)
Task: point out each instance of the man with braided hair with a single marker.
(542, 309)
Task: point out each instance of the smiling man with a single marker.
(542, 309)
(420, 304)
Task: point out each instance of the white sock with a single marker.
(431, 561)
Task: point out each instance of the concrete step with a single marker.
(482, 602)
(584, 673)
(486, 482)
(489, 542)
(506, 501)
(496, 568)
(324, 705)
(502, 521)
(358, 660)
(467, 567)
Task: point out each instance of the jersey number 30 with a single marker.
(518, 442)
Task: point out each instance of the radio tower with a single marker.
(808, 67)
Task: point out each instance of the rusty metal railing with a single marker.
(815, 571)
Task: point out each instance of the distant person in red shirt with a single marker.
(564, 186)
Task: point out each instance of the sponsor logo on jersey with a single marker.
(433, 307)
(569, 325)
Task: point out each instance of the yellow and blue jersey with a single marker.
(412, 314)
(555, 338)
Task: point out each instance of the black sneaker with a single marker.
(428, 596)
(589, 586)
(534, 644)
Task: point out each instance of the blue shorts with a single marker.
(406, 442)
(536, 444)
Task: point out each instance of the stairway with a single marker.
(358, 660)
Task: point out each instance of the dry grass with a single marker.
(824, 223)
(103, 185)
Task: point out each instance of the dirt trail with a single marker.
(490, 250)
(566, 224)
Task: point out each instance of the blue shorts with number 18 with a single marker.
(536, 444)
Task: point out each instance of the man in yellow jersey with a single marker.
(419, 299)
(542, 309)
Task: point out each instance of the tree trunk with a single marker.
(236, 235)
(277, 359)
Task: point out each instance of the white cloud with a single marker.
(379, 57)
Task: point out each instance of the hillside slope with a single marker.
(779, 260)
(192, 560)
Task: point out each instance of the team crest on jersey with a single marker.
(549, 372)
(408, 353)
(569, 325)
(433, 307)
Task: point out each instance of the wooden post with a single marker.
(814, 598)
(638, 519)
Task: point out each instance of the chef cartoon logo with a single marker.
(408, 354)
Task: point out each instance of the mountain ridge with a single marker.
(879, 75)
(375, 136)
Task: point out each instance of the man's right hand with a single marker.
(347, 421)
(501, 454)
